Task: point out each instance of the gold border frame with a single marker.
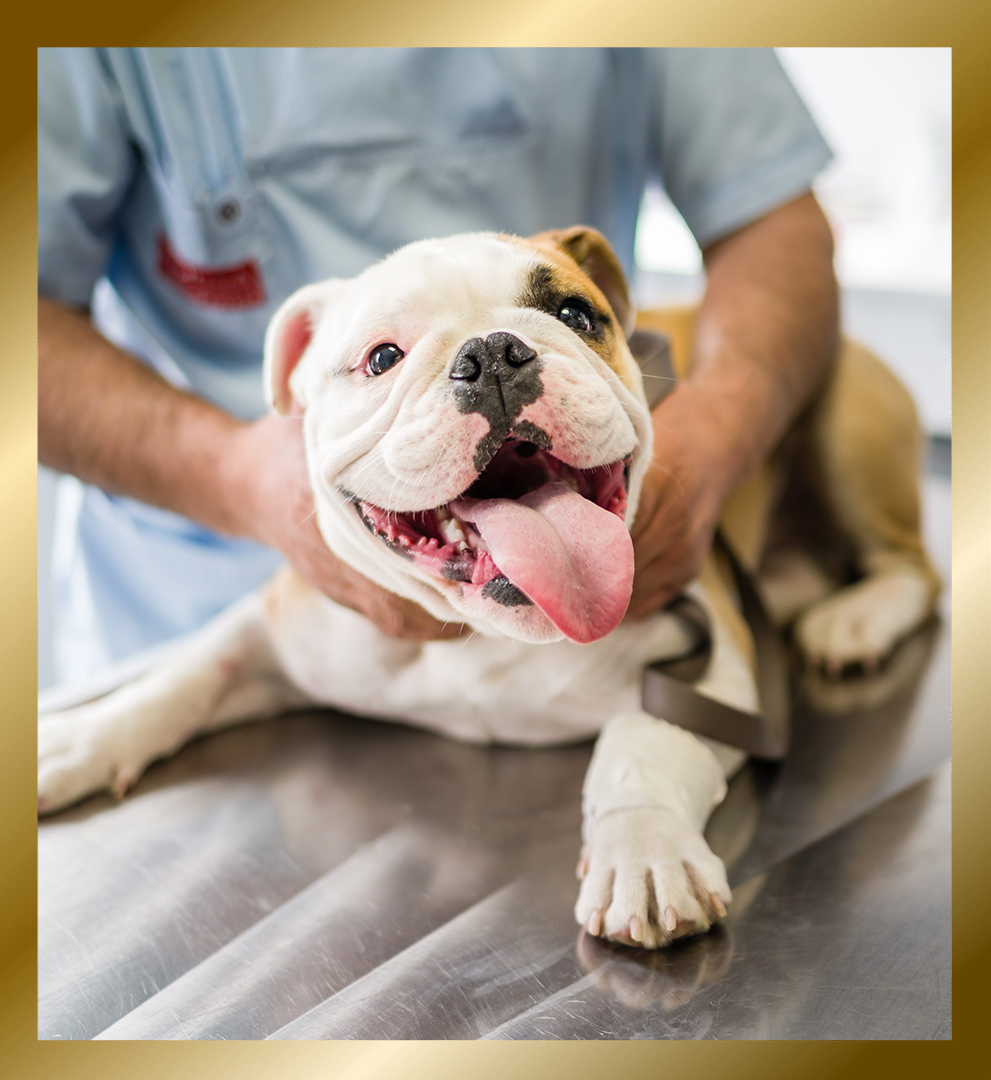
(956, 23)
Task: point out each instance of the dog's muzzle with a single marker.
(529, 530)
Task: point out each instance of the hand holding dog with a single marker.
(279, 511)
(766, 336)
(680, 502)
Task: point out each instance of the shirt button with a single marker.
(229, 211)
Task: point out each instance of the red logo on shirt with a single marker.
(219, 286)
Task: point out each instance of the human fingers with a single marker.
(393, 615)
(666, 563)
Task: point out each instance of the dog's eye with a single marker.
(384, 357)
(575, 314)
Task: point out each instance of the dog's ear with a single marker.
(287, 339)
(597, 260)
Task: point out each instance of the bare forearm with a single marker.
(108, 419)
(767, 330)
(765, 337)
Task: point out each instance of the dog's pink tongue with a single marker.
(572, 558)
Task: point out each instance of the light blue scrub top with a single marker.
(158, 166)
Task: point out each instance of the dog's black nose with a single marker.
(498, 377)
(508, 349)
(497, 351)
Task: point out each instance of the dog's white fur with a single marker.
(400, 442)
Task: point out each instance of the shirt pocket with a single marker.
(179, 108)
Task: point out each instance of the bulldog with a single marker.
(477, 435)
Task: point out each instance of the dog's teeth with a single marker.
(451, 528)
(442, 514)
(573, 484)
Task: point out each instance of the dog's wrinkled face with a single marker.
(475, 427)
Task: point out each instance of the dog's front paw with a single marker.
(649, 877)
(81, 752)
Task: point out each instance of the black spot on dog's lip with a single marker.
(400, 550)
(504, 592)
(459, 567)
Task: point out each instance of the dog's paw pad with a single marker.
(651, 878)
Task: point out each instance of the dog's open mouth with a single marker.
(530, 530)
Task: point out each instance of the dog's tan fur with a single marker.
(852, 461)
(581, 258)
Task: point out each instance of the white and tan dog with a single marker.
(477, 435)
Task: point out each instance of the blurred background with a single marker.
(886, 115)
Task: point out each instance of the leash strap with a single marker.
(668, 695)
(667, 692)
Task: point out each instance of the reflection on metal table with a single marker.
(321, 877)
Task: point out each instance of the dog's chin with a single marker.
(534, 548)
(522, 623)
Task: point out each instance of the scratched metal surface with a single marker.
(323, 877)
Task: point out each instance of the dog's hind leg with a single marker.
(220, 675)
(867, 442)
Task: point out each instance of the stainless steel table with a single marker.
(318, 876)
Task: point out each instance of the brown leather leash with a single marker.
(668, 692)
(667, 685)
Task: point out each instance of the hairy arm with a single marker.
(766, 336)
(109, 420)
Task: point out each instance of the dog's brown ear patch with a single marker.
(287, 339)
(597, 260)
